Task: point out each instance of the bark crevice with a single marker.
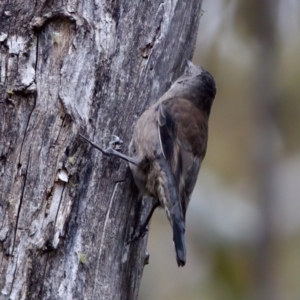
(20, 204)
(92, 67)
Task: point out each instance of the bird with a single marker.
(167, 148)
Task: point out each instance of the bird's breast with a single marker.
(145, 148)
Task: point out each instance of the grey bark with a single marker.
(66, 211)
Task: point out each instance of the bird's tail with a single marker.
(179, 237)
(171, 203)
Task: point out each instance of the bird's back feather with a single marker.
(183, 134)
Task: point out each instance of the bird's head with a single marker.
(197, 85)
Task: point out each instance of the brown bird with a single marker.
(168, 145)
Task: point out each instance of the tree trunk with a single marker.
(67, 211)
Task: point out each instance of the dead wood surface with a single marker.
(67, 211)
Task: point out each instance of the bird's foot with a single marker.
(138, 234)
(115, 143)
(146, 258)
(113, 148)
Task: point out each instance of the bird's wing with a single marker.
(183, 136)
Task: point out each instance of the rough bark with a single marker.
(66, 211)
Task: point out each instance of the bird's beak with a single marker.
(188, 65)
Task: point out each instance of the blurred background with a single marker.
(243, 223)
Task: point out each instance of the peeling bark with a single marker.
(66, 211)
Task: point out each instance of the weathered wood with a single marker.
(67, 211)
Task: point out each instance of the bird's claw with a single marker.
(115, 143)
(138, 235)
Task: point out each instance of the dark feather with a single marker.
(167, 131)
(177, 217)
(179, 241)
(183, 133)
